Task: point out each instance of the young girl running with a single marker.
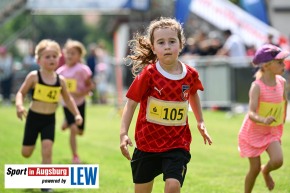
(47, 88)
(163, 87)
(263, 125)
(79, 82)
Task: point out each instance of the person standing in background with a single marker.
(6, 75)
(234, 48)
(92, 61)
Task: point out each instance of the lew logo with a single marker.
(83, 175)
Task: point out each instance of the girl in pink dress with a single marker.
(79, 84)
(263, 125)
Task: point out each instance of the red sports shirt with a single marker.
(162, 122)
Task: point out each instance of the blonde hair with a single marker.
(258, 75)
(43, 44)
(76, 44)
(140, 46)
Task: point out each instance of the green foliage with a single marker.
(212, 169)
(57, 27)
(100, 33)
(235, 1)
(60, 27)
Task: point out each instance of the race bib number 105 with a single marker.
(168, 113)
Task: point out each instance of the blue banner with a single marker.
(182, 10)
(256, 8)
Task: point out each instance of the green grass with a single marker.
(212, 169)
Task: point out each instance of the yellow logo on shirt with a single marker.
(71, 84)
(168, 113)
(50, 94)
(277, 110)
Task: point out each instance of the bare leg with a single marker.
(144, 188)
(64, 125)
(254, 170)
(172, 186)
(27, 150)
(46, 151)
(80, 132)
(276, 161)
(73, 142)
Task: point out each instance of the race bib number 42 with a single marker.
(46, 93)
(168, 113)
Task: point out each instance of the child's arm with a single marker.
(253, 105)
(127, 116)
(196, 108)
(20, 95)
(71, 105)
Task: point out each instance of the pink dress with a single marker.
(255, 138)
(78, 73)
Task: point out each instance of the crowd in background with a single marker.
(200, 43)
(215, 43)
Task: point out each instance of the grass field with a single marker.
(212, 169)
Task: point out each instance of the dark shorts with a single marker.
(70, 118)
(38, 123)
(172, 164)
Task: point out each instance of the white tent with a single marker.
(225, 15)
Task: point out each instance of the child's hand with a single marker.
(124, 142)
(21, 112)
(269, 120)
(78, 119)
(202, 129)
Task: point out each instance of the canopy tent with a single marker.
(84, 6)
(225, 15)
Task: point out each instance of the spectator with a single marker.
(6, 74)
(251, 50)
(102, 81)
(104, 72)
(92, 60)
(270, 40)
(29, 62)
(233, 47)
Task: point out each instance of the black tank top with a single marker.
(40, 81)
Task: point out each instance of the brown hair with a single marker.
(140, 46)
